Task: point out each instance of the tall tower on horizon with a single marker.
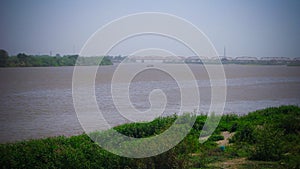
(224, 54)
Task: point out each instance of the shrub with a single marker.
(245, 134)
(233, 127)
(290, 124)
(269, 144)
(216, 138)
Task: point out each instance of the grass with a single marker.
(267, 138)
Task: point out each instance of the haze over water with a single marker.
(37, 102)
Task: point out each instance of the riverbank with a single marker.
(266, 138)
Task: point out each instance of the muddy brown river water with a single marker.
(37, 102)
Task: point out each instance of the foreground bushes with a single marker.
(271, 135)
(81, 152)
(268, 144)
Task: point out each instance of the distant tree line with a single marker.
(24, 60)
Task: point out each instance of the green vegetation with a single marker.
(295, 63)
(23, 60)
(266, 138)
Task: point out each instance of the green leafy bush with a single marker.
(215, 137)
(271, 134)
(268, 144)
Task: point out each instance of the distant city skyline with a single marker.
(269, 28)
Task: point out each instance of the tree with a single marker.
(3, 58)
(23, 59)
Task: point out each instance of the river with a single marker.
(37, 102)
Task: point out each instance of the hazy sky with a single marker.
(246, 28)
